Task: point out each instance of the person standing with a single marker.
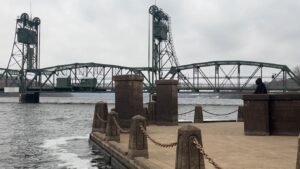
(260, 87)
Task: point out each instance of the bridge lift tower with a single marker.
(161, 46)
(25, 55)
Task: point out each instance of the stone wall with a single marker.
(285, 114)
(276, 114)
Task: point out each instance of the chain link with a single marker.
(209, 112)
(201, 150)
(219, 114)
(119, 127)
(99, 117)
(156, 142)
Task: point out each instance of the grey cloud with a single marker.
(115, 31)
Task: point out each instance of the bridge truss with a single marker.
(214, 76)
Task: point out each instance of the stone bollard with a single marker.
(240, 117)
(187, 155)
(128, 97)
(99, 125)
(112, 132)
(138, 146)
(167, 102)
(198, 117)
(145, 113)
(298, 158)
(154, 97)
(151, 112)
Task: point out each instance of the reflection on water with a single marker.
(52, 135)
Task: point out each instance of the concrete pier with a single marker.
(29, 97)
(224, 142)
(167, 102)
(128, 97)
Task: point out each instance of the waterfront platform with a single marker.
(225, 142)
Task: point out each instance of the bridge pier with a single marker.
(29, 97)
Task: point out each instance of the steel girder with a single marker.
(218, 79)
(207, 76)
(102, 72)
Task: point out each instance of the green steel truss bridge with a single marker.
(214, 76)
(23, 69)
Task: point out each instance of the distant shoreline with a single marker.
(42, 95)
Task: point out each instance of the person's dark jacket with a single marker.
(260, 88)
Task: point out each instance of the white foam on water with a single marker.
(69, 160)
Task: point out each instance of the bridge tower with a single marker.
(161, 47)
(25, 55)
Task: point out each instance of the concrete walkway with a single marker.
(227, 145)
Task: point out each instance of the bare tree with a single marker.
(296, 70)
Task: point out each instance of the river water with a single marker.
(54, 133)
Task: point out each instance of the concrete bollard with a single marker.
(154, 97)
(167, 102)
(240, 117)
(29, 97)
(198, 117)
(187, 155)
(112, 132)
(128, 97)
(151, 112)
(145, 113)
(298, 158)
(138, 146)
(100, 111)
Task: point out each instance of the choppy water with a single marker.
(54, 134)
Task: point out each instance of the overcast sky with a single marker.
(115, 31)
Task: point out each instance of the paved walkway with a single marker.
(228, 146)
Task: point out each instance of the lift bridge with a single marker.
(23, 69)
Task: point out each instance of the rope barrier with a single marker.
(187, 112)
(156, 142)
(201, 150)
(99, 117)
(119, 127)
(219, 114)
